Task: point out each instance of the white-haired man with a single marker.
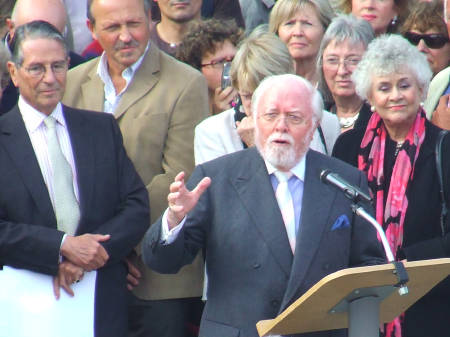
(270, 229)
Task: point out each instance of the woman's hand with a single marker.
(223, 98)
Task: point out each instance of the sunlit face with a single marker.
(438, 58)
(302, 34)
(396, 98)
(339, 61)
(42, 92)
(122, 29)
(379, 13)
(284, 124)
(180, 11)
(212, 63)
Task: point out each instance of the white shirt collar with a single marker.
(298, 170)
(127, 74)
(33, 118)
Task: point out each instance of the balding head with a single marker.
(51, 11)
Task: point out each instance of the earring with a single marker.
(372, 108)
(422, 104)
(394, 21)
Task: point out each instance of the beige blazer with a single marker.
(157, 116)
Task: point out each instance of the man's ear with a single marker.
(12, 72)
(91, 27)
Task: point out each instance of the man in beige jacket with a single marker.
(157, 102)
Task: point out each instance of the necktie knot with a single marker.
(283, 176)
(50, 122)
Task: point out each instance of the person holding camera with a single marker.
(210, 46)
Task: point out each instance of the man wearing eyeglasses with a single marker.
(70, 198)
(270, 228)
(24, 11)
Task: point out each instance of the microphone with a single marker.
(355, 195)
(352, 192)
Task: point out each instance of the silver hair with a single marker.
(344, 27)
(388, 54)
(271, 81)
(34, 30)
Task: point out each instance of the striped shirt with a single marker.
(37, 131)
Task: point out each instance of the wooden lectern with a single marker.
(356, 298)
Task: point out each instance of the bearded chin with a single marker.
(282, 156)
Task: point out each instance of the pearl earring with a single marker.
(372, 108)
(422, 104)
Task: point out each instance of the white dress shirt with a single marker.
(37, 131)
(111, 99)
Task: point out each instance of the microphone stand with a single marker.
(400, 271)
(355, 196)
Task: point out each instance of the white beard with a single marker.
(282, 156)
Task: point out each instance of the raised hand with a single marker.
(181, 200)
(223, 98)
(85, 250)
(441, 116)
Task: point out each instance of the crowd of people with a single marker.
(175, 147)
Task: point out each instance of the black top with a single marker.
(363, 118)
(422, 234)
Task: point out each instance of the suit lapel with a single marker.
(253, 186)
(144, 79)
(17, 143)
(93, 98)
(83, 153)
(315, 212)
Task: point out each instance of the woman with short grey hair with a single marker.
(342, 47)
(397, 153)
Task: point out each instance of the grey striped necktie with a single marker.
(66, 206)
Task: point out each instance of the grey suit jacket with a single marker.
(157, 115)
(252, 272)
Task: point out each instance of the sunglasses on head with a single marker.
(434, 41)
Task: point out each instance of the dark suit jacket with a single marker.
(422, 237)
(252, 272)
(113, 200)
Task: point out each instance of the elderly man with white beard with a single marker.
(269, 228)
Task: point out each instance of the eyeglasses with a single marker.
(434, 41)
(290, 118)
(218, 64)
(38, 70)
(349, 62)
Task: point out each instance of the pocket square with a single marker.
(341, 222)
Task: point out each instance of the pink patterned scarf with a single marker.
(371, 160)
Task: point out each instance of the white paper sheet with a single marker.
(28, 307)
